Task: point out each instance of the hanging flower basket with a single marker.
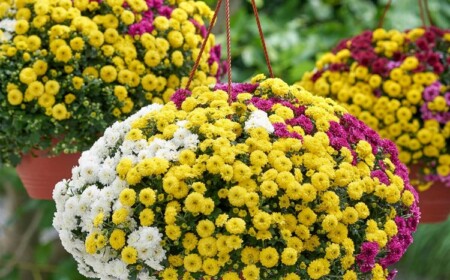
(73, 68)
(268, 180)
(397, 83)
(40, 173)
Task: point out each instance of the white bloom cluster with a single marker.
(93, 192)
(7, 28)
(259, 118)
(166, 149)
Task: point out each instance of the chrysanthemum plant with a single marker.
(269, 181)
(69, 69)
(399, 84)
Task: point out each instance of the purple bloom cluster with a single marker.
(214, 56)
(179, 96)
(429, 94)
(366, 258)
(437, 178)
(146, 24)
(381, 176)
(282, 131)
(302, 121)
(353, 129)
(237, 88)
(399, 243)
(262, 104)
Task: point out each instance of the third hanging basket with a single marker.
(398, 83)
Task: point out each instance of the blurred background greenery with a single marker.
(297, 32)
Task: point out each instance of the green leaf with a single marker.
(42, 254)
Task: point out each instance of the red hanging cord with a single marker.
(227, 16)
(386, 9)
(261, 35)
(228, 32)
(205, 41)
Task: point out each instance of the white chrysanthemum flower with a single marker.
(99, 149)
(111, 161)
(118, 268)
(133, 239)
(117, 186)
(76, 173)
(179, 135)
(89, 172)
(107, 194)
(101, 205)
(86, 224)
(83, 206)
(182, 123)
(88, 157)
(59, 194)
(8, 25)
(106, 254)
(143, 275)
(71, 205)
(191, 142)
(167, 154)
(86, 270)
(75, 186)
(117, 205)
(140, 145)
(150, 236)
(6, 37)
(143, 252)
(157, 255)
(95, 263)
(111, 136)
(66, 240)
(90, 193)
(257, 119)
(58, 220)
(145, 154)
(106, 175)
(156, 145)
(69, 221)
(127, 147)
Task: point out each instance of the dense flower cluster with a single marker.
(399, 84)
(270, 182)
(69, 69)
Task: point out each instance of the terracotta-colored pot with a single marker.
(434, 202)
(40, 174)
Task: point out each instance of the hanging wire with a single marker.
(383, 16)
(228, 34)
(422, 13)
(205, 41)
(427, 10)
(227, 16)
(261, 35)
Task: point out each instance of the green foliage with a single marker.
(40, 259)
(428, 256)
